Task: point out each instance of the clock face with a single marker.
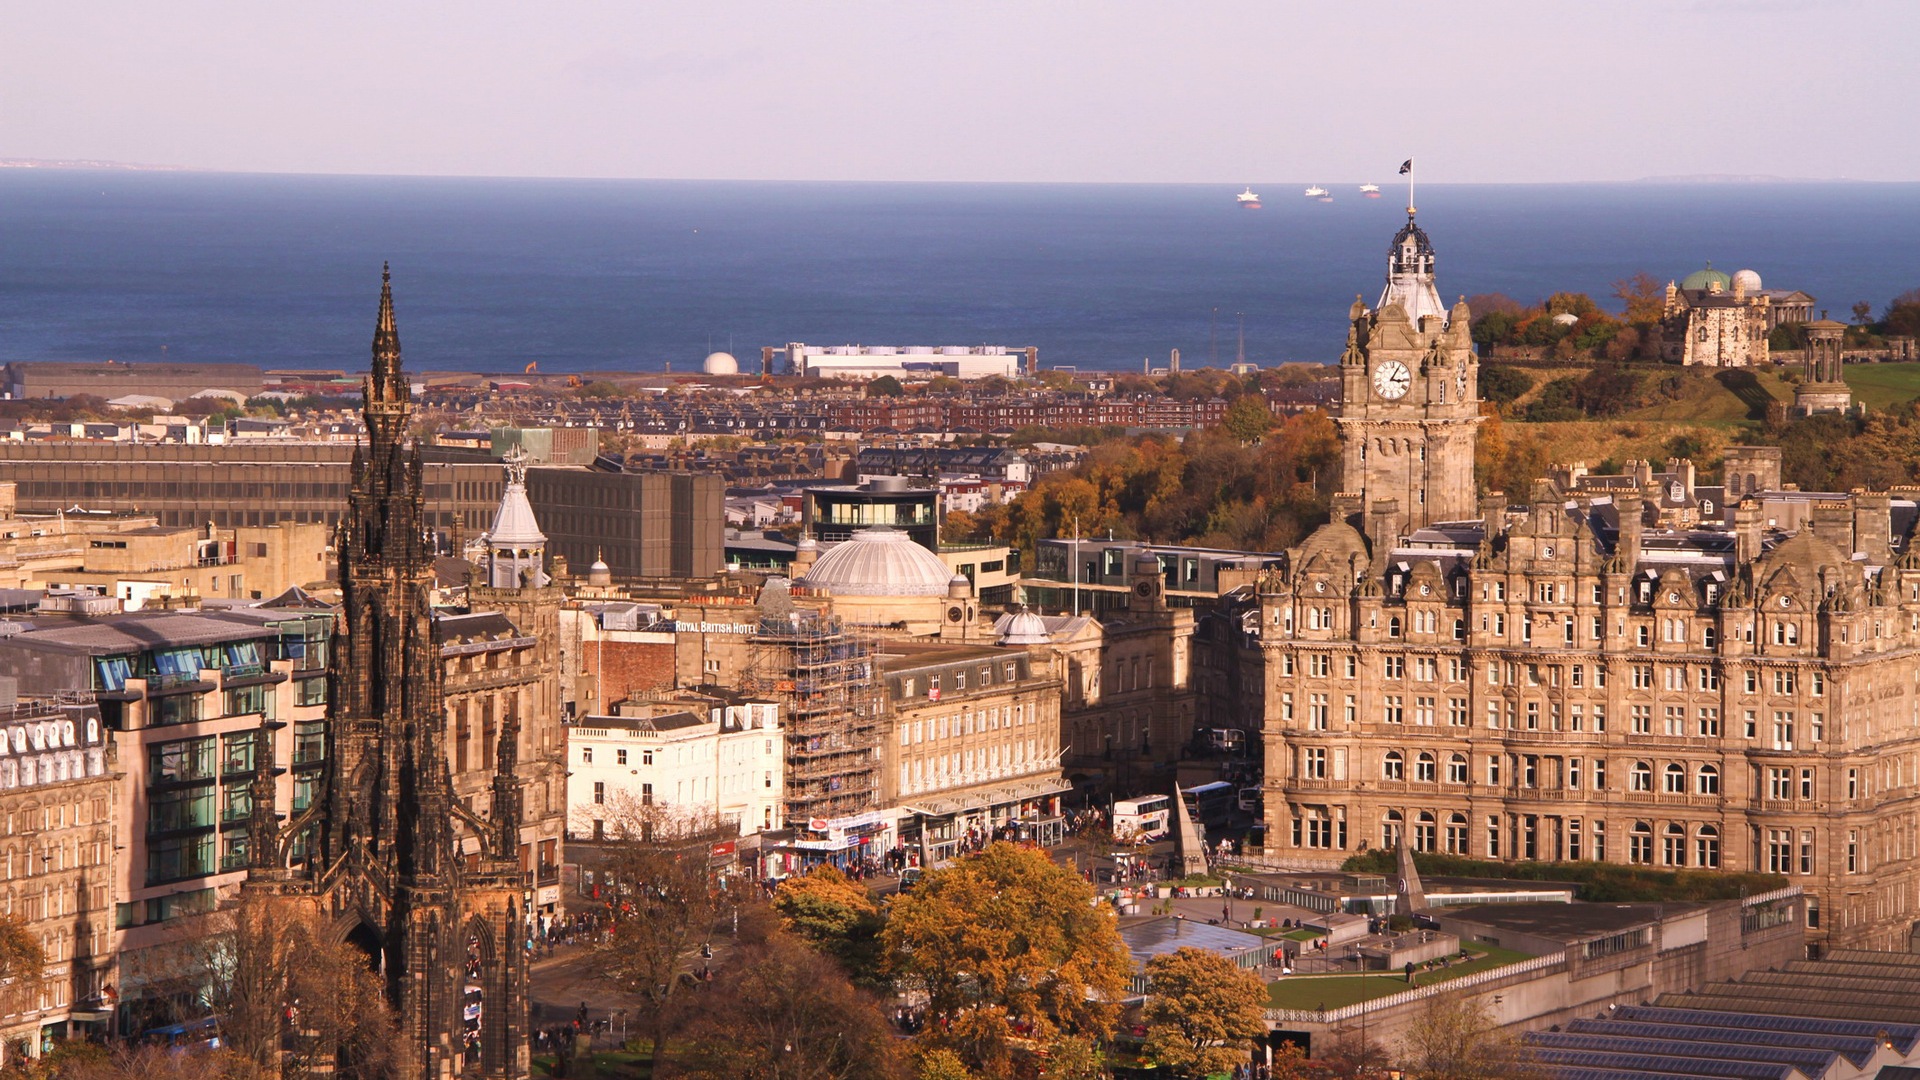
(1391, 380)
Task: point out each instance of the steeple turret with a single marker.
(1410, 260)
(516, 548)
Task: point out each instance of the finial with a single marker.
(386, 271)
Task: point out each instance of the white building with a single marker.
(689, 755)
(864, 362)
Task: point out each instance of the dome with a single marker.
(1025, 628)
(879, 562)
(720, 363)
(1706, 279)
(1746, 281)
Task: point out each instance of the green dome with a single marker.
(1706, 279)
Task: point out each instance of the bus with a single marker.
(1252, 799)
(1210, 804)
(1141, 820)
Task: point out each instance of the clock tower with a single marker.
(1409, 412)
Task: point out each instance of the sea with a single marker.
(644, 275)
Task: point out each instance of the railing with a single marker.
(1349, 1012)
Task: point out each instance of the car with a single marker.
(909, 878)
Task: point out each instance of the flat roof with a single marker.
(1157, 937)
(1567, 922)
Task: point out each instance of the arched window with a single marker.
(1313, 619)
(1393, 766)
(1673, 845)
(1457, 769)
(1641, 778)
(1423, 832)
(1706, 847)
(1423, 768)
(1707, 781)
(1674, 779)
(1393, 626)
(1457, 834)
(1640, 844)
(1391, 828)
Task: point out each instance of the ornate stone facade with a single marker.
(1629, 669)
(384, 863)
(1409, 408)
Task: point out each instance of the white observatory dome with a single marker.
(720, 363)
(1746, 281)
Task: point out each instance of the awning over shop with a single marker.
(987, 796)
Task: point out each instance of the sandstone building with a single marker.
(1634, 669)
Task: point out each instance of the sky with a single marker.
(1079, 92)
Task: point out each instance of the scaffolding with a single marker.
(823, 674)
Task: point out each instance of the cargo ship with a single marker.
(1371, 191)
(1248, 200)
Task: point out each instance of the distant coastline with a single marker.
(85, 163)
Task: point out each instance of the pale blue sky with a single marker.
(1127, 90)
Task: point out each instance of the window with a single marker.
(1783, 682)
(1319, 665)
(1709, 679)
(1806, 851)
(1640, 844)
(586, 755)
(1673, 845)
(1673, 779)
(1706, 847)
(1782, 730)
(1423, 768)
(1457, 834)
(1493, 836)
(1313, 763)
(1493, 770)
(1642, 716)
(1457, 712)
(599, 791)
(1396, 667)
(1779, 851)
(1709, 721)
(620, 756)
(1457, 769)
(311, 691)
(1393, 766)
(1424, 832)
(1423, 711)
(1641, 777)
(1393, 708)
(1643, 676)
(1317, 711)
(180, 857)
(173, 709)
(1706, 781)
(1779, 784)
(1676, 720)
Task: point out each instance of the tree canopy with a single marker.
(1202, 1011)
(1012, 954)
(836, 915)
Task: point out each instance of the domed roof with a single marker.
(1746, 281)
(720, 363)
(1025, 628)
(1706, 279)
(879, 562)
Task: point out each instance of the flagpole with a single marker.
(1409, 187)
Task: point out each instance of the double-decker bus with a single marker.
(1210, 804)
(1141, 820)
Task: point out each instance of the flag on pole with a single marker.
(1406, 167)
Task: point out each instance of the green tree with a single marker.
(1501, 385)
(1862, 312)
(1203, 1011)
(1248, 419)
(885, 386)
(837, 916)
(1012, 954)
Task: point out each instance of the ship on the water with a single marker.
(1317, 192)
(1248, 200)
(1371, 191)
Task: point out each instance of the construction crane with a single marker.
(532, 369)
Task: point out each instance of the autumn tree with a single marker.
(1248, 419)
(1455, 1037)
(295, 999)
(1011, 952)
(22, 962)
(836, 916)
(781, 1011)
(1643, 299)
(885, 386)
(1203, 1011)
(1353, 1056)
(663, 904)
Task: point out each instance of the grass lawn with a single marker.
(1302, 935)
(608, 1065)
(1334, 991)
(1881, 385)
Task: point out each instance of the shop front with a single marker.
(945, 826)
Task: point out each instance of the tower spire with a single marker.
(384, 380)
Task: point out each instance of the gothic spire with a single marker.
(385, 383)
